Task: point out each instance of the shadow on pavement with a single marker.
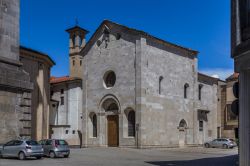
(216, 161)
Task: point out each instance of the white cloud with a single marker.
(215, 76)
(218, 72)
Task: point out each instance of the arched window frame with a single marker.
(131, 123)
(185, 90)
(160, 82)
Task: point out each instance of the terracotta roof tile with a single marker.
(54, 80)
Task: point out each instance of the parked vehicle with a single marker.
(55, 148)
(221, 142)
(22, 149)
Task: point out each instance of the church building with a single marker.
(141, 91)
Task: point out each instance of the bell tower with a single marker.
(76, 42)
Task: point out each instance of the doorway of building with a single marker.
(182, 133)
(113, 130)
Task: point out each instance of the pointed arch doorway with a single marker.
(111, 109)
(182, 133)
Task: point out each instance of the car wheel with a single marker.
(207, 145)
(38, 157)
(52, 154)
(225, 146)
(21, 156)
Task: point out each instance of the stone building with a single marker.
(66, 109)
(209, 99)
(240, 47)
(139, 90)
(38, 65)
(15, 84)
(229, 121)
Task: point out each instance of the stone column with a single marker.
(140, 96)
(244, 116)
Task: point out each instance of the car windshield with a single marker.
(231, 140)
(61, 142)
(31, 142)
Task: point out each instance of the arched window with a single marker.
(73, 62)
(200, 87)
(160, 81)
(131, 124)
(94, 123)
(74, 40)
(80, 62)
(183, 124)
(185, 90)
(80, 41)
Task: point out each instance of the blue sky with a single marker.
(203, 25)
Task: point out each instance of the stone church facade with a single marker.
(141, 91)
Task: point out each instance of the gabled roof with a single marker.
(111, 24)
(75, 28)
(55, 80)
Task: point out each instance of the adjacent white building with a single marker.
(66, 109)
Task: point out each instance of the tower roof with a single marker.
(77, 28)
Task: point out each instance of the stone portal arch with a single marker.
(110, 108)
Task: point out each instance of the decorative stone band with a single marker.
(10, 61)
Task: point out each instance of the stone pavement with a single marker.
(125, 156)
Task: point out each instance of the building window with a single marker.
(185, 90)
(109, 79)
(94, 123)
(66, 131)
(200, 87)
(51, 93)
(62, 100)
(202, 115)
(160, 82)
(201, 125)
(62, 91)
(74, 40)
(80, 62)
(73, 132)
(73, 62)
(131, 124)
(230, 115)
